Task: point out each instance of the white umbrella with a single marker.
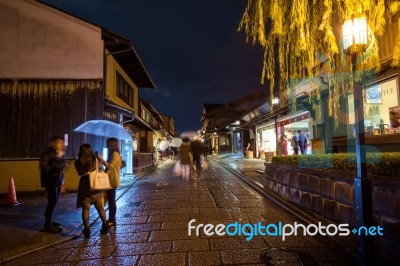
(189, 134)
(104, 128)
(176, 142)
(164, 145)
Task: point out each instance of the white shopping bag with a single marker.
(178, 169)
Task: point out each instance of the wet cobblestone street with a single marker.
(153, 221)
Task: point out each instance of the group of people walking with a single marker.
(191, 152)
(52, 168)
(299, 142)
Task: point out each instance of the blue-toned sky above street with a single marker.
(191, 49)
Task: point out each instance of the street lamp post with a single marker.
(355, 34)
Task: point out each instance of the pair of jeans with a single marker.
(53, 193)
(112, 205)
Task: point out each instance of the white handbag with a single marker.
(99, 179)
(178, 169)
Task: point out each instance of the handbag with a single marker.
(178, 169)
(99, 179)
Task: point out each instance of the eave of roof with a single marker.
(140, 123)
(125, 54)
(241, 105)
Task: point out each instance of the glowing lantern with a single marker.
(355, 31)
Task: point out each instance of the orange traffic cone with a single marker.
(11, 194)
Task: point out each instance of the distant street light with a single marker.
(237, 122)
(355, 37)
(275, 101)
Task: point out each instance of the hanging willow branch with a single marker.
(301, 34)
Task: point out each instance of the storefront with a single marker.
(213, 139)
(381, 118)
(266, 139)
(224, 143)
(379, 100)
(290, 125)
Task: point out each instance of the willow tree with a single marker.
(301, 37)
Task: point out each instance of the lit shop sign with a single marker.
(294, 119)
(374, 94)
(265, 128)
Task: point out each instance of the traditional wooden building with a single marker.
(58, 71)
(222, 123)
(168, 126)
(149, 136)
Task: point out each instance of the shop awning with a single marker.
(293, 117)
(111, 106)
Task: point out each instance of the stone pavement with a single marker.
(21, 225)
(153, 220)
(251, 168)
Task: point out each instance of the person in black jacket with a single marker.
(52, 165)
(198, 150)
(302, 142)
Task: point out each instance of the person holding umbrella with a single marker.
(198, 150)
(185, 153)
(175, 144)
(113, 168)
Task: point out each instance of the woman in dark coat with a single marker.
(186, 161)
(86, 163)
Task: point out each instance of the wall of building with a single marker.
(150, 141)
(34, 111)
(222, 117)
(38, 42)
(111, 74)
(146, 141)
(26, 175)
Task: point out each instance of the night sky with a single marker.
(191, 49)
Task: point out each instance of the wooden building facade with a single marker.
(58, 71)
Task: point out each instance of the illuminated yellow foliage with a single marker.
(304, 35)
